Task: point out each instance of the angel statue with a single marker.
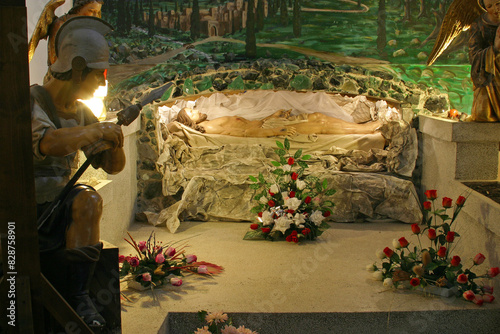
(48, 24)
(483, 19)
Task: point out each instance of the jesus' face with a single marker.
(195, 115)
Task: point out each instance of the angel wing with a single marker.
(42, 26)
(459, 17)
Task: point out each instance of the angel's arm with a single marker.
(481, 56)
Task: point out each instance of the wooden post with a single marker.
(22, 287)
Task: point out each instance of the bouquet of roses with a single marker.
(290, 205)
(435, 265)
(157, 263)
(216, 324)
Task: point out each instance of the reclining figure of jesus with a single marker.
(281, 123)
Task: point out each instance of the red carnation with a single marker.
(460, 201)
(308, 200)
(431, 194)
(415, 228)
(447, 202)
(271, 203)
(441, 252)
(291, 161)
(432, 234)
(450, 236)
(455, 261)
(327, 213)
(415, 281)
(388, 252)
(260, 214)
(403, 242)
(265, 229)
(294, 176)
(292, 194)
(427, 205)
(254, 226)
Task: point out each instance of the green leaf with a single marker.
(253, 178)
(302, 164)
(255, 186)
(278, 172)
(280, 152)
(297, 154)
(279, 144)
(330, 192)
(325, 184)
(446, 227)
(254, 235)
(261, 178)
(275, 163)
(202, 315)
(287, 144)
(306, 157)
(431, 266)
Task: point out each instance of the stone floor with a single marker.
(328, 275)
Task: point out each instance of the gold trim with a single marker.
(479, 4)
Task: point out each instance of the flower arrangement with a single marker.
(157, 263)
(290, 206)
(435, 265)
(216, 324)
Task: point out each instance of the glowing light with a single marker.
(96, 103)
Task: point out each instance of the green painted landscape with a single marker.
(337, 31)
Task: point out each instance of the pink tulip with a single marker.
(487, 289)
(142, 246)
(478, 300)
(479, 258)
(462, 279)
(121, 258)
(492, 272)
(191, 258)
(133, 261)
(469, 295)
(488, 298)
(176, 281)
(170, 252)
(203, 270)
(160, 258)
(146, 277)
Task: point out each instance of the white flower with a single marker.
(380, 254)
(317, 217)
(388, 282)
(301, 184)
(274, 189)
(299, 219)
(217, 317)
(267, 218)
(263, 200)
(293, 203)
(286, 168)
(287, 179)
(378, 276)
(396, 244)
(370, 267)
(282, 224)
(285, 195)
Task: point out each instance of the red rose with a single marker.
(121, 258)
(488, 298)
(294, 176)
(479, 258)
(290, 211)
(265, 229)
(478, 300)
(308, 200)
(441, 252)
(415, 281)
(291, 161)
(431, 194)
(326, 214)
(492, 272)
(254, 226)
(403, 242)
(133, 261)
(460, 201)
(270, 193)
(294, 232)
(469, 295)
(462, 279)
(260, 214)
(271, 203)
(432, 234)
(447, 202)
(292, 238)
(292, 194)
(455, 261)
(427, 205)
(415, 228)
(450, 236)
(306, 231)
(388, 252)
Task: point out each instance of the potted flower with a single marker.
(156, 264)
(290, 206)
(431, 264)
(219, 323)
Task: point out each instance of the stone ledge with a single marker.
(454, 131)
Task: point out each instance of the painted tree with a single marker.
(297, 25)
(195, 21)
(272, 6)
(151, 20)
(120, 23)
(251, 44)
(128, 16)
(381, 29)
(260, 15)
(137, 14)
(283, 13)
